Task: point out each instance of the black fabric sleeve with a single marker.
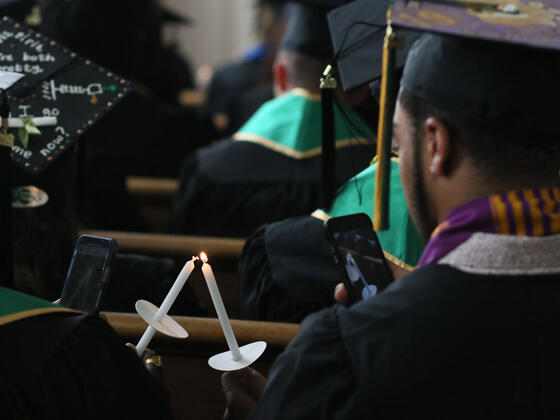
(75, 366)
(314, 377)
(286, 271)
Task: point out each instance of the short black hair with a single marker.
(495, 151)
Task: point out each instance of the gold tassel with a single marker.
(385, 128)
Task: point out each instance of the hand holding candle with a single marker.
(237, 357)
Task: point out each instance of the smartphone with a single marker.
(358, 255)
(89, 273)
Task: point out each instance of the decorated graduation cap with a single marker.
(500, 66)
(60, 96)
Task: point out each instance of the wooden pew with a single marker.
(173, 245)
(194, 386)
(151, 187)
(223, 254)
(154, 198)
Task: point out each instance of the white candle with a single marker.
(145, 340)
(38, 121)
(220, 309)
(167, 302)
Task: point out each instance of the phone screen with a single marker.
(86, 274)
(359, 253)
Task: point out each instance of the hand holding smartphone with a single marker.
(358, 255)
(88, 273)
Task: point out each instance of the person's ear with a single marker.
(438, 146)
(280, 78)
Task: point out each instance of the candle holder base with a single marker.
(167, 325)
(249, 353)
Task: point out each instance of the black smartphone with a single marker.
(358, 255)
(88, 273)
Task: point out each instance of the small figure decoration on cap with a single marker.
(61, 93)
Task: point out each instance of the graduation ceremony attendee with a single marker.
(44, 237)
(149, 132)
(63, 364)
(470, 333)
(273, 289)
(40, 219)
(236, 90)
(271, 167)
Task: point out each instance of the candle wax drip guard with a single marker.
(167, 325)
(249, 353)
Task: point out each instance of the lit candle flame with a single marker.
(203, 257)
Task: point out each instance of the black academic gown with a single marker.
(233, 187)
(73, 366)
(276, 283)
(437, 344)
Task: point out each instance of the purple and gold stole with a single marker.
(530, 212)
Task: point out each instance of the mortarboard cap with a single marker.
(59, 88)
(357, 32)
(307, 31)
(496, 68)
(488, 61)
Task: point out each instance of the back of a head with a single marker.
(496, 100)
(306, 46)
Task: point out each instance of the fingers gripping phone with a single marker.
(88, 273)
(358, 255)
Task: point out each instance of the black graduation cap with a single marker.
(58, 87)
(497, 65)
(481, 67)
(357, 31)
(307, 31)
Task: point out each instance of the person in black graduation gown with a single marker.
(236, 90)
(68, 365)
(469, 334)
(270, 168)
(148, 133)
(44, 238)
